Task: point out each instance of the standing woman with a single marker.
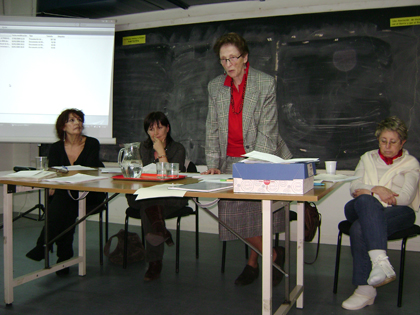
(158, 147)
(242, 117)
(385, 198)
(73, 148)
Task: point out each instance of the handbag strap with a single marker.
(319, 241)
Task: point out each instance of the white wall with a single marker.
(331, 207)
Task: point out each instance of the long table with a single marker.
(270, 202)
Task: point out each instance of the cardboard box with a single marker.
(270, 178)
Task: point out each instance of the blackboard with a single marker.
(338, 74)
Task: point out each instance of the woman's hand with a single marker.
(211, 171)
(386, 195)
(158, 146)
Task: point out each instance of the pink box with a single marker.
(292, 187)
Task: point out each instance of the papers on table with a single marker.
(260, 157)
(37, 175)
(212, 178)
(75, 168)
(150, 168)
(77, 178)
(334, 178)
(204, 186)
(158, 191)
(111, 170)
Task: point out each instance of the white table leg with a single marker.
(267, 257)
(8, 245)
(300, 264)
(82, 236)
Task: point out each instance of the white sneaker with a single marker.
(382, 272)
(357, 301)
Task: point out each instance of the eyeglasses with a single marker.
(232, 60)
(384, 142)
(74, 120)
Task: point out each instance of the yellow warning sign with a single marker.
(134, 40)
(405, 21)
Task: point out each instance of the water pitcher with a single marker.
(130, 161)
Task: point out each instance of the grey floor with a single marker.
(199, 288)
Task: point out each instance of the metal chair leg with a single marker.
(101, 241)
(401, 279)
(223, 257)
(196, 233)
(178, 236)
(125, 243)
(337, 261)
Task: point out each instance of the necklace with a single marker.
(241, 105)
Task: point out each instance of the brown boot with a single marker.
(154, 270)
(160, 234)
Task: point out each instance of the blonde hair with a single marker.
(392, 123)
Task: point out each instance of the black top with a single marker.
(175, 153)
(89, 156)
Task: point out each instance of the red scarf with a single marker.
(388, 160)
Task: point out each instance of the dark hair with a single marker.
(231, 38)
(392, 123)
(156, 118)
(63, 118)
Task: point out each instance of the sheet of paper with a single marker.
(77, 178)
(335, 177)
(257, 157)
(76, 168)
(149, 169)
(24, 174)
(212, 178)
(203, 186)
(36, 175)
(109, 170)
(158, 191)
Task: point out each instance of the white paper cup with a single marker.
(41, 163)
(330, 167)
(162, 170)
(173, 170)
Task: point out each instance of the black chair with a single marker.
(344, 228)
(292, 217)
(183, 212)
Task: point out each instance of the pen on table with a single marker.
(319, 184)
(227, 180)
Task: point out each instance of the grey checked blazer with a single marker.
(259, 119)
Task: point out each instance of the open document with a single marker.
(260, 157)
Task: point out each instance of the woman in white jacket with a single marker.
(385, 198)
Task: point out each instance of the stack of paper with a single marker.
(260, 157)
(36, 175)
(335, 178)
(77, 178)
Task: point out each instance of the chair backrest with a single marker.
(190, 167)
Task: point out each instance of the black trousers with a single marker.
(62, 213)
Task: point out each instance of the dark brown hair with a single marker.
(158, 118)
(63, 118)
(231, 38)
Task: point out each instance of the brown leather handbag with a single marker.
(135, 249)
